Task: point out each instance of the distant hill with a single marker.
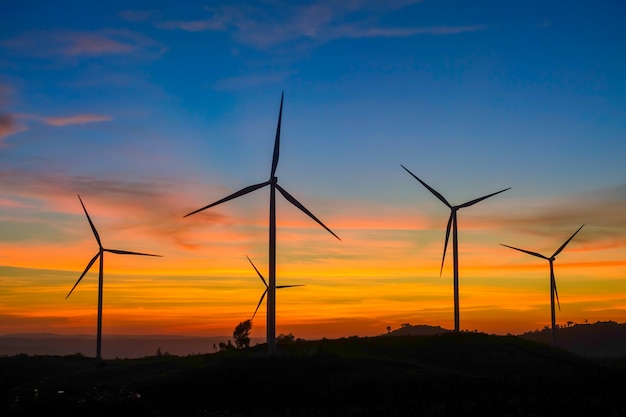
(113, 346)
(603, 339)
(417, 330)
(449, 374)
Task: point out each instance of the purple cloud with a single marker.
(72, 44)
(264, 27)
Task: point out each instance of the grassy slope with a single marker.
(450, 374)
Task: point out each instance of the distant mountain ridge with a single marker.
(113, 346)
(602, 339)
(597, 340)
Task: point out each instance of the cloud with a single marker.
(73, 44)
(268, 26)
(79, 119)
(365, 32)
(8, 121)
(139, 15)
(127, 207)
(602, 212)
(194, 25)
(9, 126)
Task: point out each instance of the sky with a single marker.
(150, 110)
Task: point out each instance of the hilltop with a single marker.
(442, 375)
(602, 339)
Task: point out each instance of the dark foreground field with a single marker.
(447, 375)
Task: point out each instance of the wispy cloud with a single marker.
(9, 126)
(275, 24)
(601, 211)
(195, 25)
(73, 44)
(11, 123)
(8, 121)
(139, 15)
(79, 119)
(147, 210)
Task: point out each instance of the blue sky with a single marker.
(153, 109)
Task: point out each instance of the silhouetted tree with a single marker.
(388, 329)
(226, 346)
(285, 338)
(242, 334)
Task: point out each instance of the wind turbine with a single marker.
(100, 255)
(553, 291)
(452, 222)
(273, 183)
(266, 287)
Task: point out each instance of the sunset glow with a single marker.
(149, 114)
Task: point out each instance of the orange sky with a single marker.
(384, 272)
(154, 110)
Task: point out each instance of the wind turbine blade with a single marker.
(296, 203)
(445, 245)
(257, 271)
(566, 242)
(471, 203)
(277, 140)
(526, 251)
(555, 290)
(84, 273)
(93, 228)
(259, 305)
(125, 252)
(290, 286)
(239, 193)
(432, 190)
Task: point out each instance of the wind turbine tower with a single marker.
(452, 223)
(553, 290)
(100, 255)
(273, 183)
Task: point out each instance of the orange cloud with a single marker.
(78, 119)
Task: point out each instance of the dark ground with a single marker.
(453, 374)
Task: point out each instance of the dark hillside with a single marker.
(447, 375)
(598, 340)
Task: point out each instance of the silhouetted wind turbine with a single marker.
(553, 291)
(452, 222)
(266, 287)
(100, 255)
(273, 183)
